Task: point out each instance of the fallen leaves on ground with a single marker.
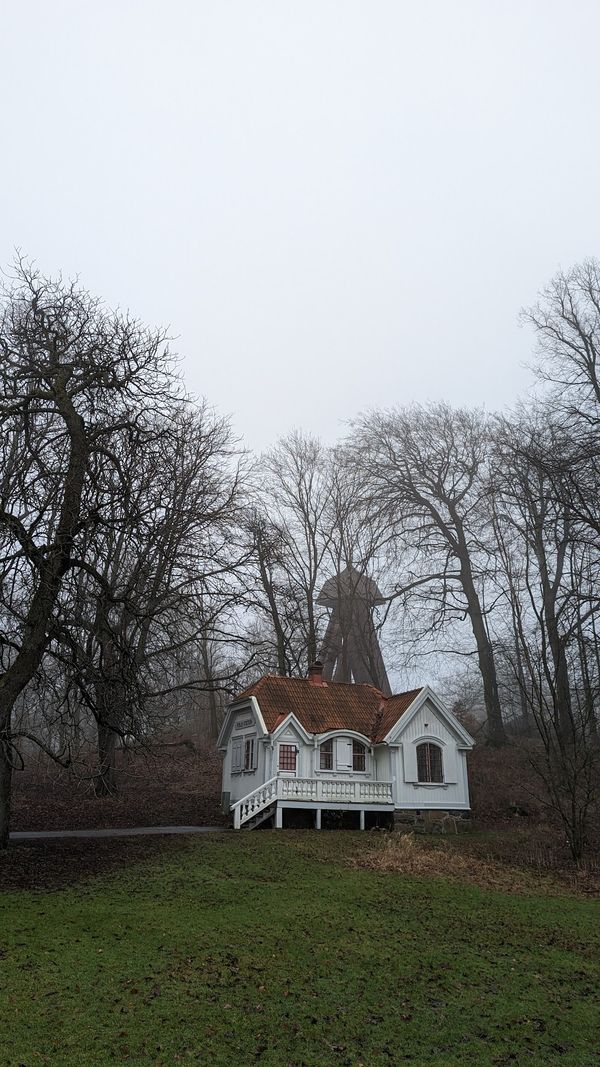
(156, 788)
(404, 854)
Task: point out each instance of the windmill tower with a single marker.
(351, 651)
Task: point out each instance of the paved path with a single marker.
(134, 831)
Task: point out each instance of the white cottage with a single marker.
(304, 743)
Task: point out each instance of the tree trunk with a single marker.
(563, 718)
(110, 698)
(485, 651)
(526, 719)
(5, 785)
(487, 666)
(35, 626)
(106, 779)
(560, 682)
(213, 718)
(282, 663)
(311, 643)
(576, 829)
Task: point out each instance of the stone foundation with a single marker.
(432, 822)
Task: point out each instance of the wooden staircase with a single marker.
(258, 806)
(260, 817)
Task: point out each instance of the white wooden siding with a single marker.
(238, 783)
(292, 736)
(396, 763)
(382, 764)
(434, 795)
(427, 723)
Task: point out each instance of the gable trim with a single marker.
(445, 714)
(295, 722)
(234, 709)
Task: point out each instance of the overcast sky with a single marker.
(334, 205)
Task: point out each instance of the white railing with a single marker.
(315, 790)
(254, 803)
(334, 790)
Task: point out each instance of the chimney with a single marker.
(315, 673)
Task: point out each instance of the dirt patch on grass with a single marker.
(52, 865)
(165, 788)
(407, 854)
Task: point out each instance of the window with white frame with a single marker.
(359, 756)
(287, 757)
(342, 754)
(429, 763)
(326, 755)
(250, 754)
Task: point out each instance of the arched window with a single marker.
(326, 755)
(358, 756)
(429, 763)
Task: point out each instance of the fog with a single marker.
(335, 205)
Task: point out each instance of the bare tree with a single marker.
(547, 537)
(566, 319)
(289, 530)
(424, 473)
(163, 561)
(550, 574)
(70, 372)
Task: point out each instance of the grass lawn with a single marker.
(268, 948)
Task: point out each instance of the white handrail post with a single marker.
(236, 817)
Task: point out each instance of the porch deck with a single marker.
(318, 793)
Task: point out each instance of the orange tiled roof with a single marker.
(330, 706)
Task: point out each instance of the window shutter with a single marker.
(236, 755)
(409, 753)
(343, 755)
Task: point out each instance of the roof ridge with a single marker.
(307, 681)
(405, 692)
(356, 685)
